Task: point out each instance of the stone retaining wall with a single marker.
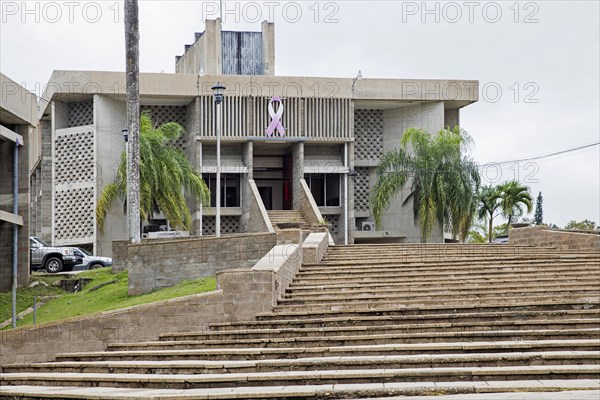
(243, 293)
(156, 265)
(545, 237)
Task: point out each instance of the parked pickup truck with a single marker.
(52, 259)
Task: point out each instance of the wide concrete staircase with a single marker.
(372, 321)
(282, 219)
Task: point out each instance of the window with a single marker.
(231, 192)
(325, 189)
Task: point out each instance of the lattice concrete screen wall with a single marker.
(74, 186)
(74, 158)
(334, 220)
(163, 114)
(229, 224)
(362, 192)
(74, 216)
(368, 134)
(81, 113)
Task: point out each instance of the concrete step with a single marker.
(361, 258)
(408, 279)
(189, 381)
(448, 294)
(545, 389)
(355, 340)
(472, 267)
(430, 300)
(304, 277)
(375, 259)
(312, 364)
(378, 320)
(299, 352)
(383, 329)
(430, 248)
(585, 302)
(370, 319)
(339, 285)
(400, 285)
(442, 250)
(280, 217)
(427, 290)
(449, 281)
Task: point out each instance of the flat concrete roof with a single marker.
(180, 89)
(17, 105)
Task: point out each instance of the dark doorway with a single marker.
(266, 194)
(288, 175)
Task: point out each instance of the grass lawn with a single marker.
(93, 298)
(46, 287)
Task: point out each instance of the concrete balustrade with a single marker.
(315, 246)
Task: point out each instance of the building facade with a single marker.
(286, 141)
(18, 127)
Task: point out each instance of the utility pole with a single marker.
(132, 69)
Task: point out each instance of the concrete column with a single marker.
(212, 45)
(7, 150)
(193, 152)
(60, 119)
(247, 160)
(268, 39)
(197, 221)
(46, 186)
(351, 220)
(451, 118)
(110, 119)
(298, 170)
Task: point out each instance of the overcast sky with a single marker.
(537, 63)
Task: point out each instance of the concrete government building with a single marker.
(288, 143)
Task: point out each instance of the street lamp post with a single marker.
(348, 172)
(218, 93)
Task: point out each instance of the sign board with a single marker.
(168, 235)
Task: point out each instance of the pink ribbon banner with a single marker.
(275, 117)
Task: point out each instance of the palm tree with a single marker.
(132, 77)
(477, 233)
(443, 180)
(513, 196)
(489, 204)
(166, 177)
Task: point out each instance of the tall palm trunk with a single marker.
(490, 229)
(132, 54)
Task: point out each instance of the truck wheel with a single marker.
(54, 265)
(96, 266)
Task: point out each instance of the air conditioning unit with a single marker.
(368, 226)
